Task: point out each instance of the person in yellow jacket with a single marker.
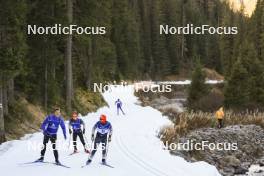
(219, 116)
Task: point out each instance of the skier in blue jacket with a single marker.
(103, 135)
(50, 128)
(118, 104)
(77, 127)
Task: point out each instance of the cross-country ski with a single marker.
(43, 162)
(106, 164)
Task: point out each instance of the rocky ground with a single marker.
(249, 150)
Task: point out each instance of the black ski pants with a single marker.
(100, 139)
(74, 138)
(52, 139)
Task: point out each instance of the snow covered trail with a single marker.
(134, 150)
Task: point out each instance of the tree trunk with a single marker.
(89, 66)
(5, 99)
(46, 86)
(182, 36)
(11, 94)
(2, 121)
(69, 84)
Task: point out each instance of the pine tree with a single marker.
(159, 51)
(237, 93)
(145, 38)
(125, 36)
(173, 18)
(227, 42)
(198, 87)
(255, 69)
(257, 23)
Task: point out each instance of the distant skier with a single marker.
(219, 116)
(118, 104)
(103, 135)
(50, 128)
(77, 127)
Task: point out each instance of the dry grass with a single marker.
(24, 117)
(188, 121)
(246, 118)
(87, 101)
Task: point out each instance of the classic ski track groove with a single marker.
(137, 160)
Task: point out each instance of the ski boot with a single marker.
(75, 150)
(40, 159)
(103, 161)
(57, 162)
(88, 161)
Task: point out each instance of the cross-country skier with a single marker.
(77, 127)
(118, 104)
(103, 135)
(50, 128)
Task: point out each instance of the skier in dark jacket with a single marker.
(50, 128)
(118, 104)
(77, 127)
(103, 135)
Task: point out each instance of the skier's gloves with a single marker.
(83, 131)
(44, 132)
(70, 131)
(92, 137)
(109, 138)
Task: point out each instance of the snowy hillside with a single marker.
(134, 150)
